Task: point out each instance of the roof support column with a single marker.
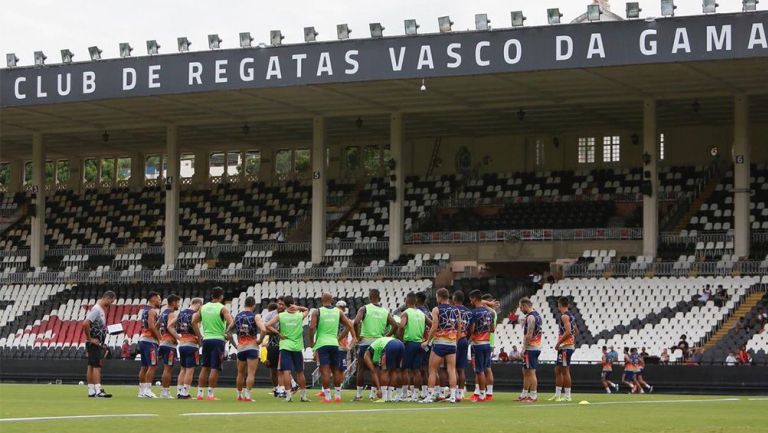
(171, 240)
(17, 175)
(396, 206)
(200, 178)
(319, 145)
(741, 172)
(136, 182)
(37, 212)
(650, 174)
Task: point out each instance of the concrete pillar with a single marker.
(136, 181)
(37, 235)
(741, 188)
(319, 143)
(77, 167)
(171, 185)
(396, 209)
(650, 202)
(16, 181)
(200, 178)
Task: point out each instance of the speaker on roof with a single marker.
(646, 188)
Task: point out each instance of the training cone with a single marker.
(583, 402)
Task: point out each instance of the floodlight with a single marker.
(749, 5)
(343, 31)
(633, 10)
(709, 6)
(445, 24)
(377, 30)
(125, 49)
(66, 56)
(40, 58)
(95, 52)
(245, 39)
(554, 15)
(183, 44)
(214, 41)
(518, 19)
(411, 28)
(11, 60)
(482, 22)
(668, 8)
(153, 47)
(276, 38)
(310, 35)
(593, 13)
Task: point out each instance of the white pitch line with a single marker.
(758, 399)
(56, 418)
(605, 403)
(315, 412)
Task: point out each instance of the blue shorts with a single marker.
(462, 346)
(342, 366)
(361, 349)
(189, 356)
(247, 354)
(413, 355)
(481, 356)
(328, 355)
(392, 358)
(148, 352)
(167, 355)
(291, 361)
(606, 375)
(213, 354)
(629, 376)
(531, 359)
(564, 357)
(639, 372)
(425, 358)
(443, 350)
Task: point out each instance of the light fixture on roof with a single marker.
(246, 129)
(482, 22)
(359, 122)
(411, 28)
(521, 114)
(214, 41)
(153, 48)
(94, 52)
(668, 8)
(310, 34)
(593, 13)
(40, 58)
(518, 19)
(245, 39)
(445, 24)
(276, 38)
(11, 60)
(633, 10)
(183, 44)
(125, 49)
(105, 136)
(553, 16)
(423, 86)
(749, 5)
(709, 6)
(377, 30)
(343, 31)
(66, 56)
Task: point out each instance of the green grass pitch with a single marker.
(614, 413)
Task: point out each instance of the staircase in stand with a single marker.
(433, 158)
(749, 301)
(702, 198)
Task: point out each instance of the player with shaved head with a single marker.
(323, 337)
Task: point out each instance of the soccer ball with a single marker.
(157, 383)
(81, 383)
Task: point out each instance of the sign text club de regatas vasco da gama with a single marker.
(698, 38)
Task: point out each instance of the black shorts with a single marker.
(273, 356)
(95, 354)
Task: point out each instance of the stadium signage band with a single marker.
(683, 39)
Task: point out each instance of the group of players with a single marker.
(416, 355)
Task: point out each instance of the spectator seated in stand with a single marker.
(706, 294)
(503, 356)
(684, 347)
(697, 356)
(515, 355)
(744, 357)
(721, 296)
(664, 357)
(731, 360)
(125, 350)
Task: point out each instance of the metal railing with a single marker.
(749, 267)
(183, 275)
(613, 233)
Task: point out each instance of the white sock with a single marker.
(374, 394)
(489, 390)
(293, 383)
(167, 391)
(524, 393)
(454, 393)
(91, 389)
(304, 393)
(385, 393)
(337, 391)
(97, 388)
(534, 395)
(482, 395)
(424, 390)
(199, 391)
(239, 394)
(326, 393)
(557, 391)
(403, 391)
(607, 389)
(248, 394)
(359, 392)
(568, 392)
(281, 389)
(477, 389)
(210, 392)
